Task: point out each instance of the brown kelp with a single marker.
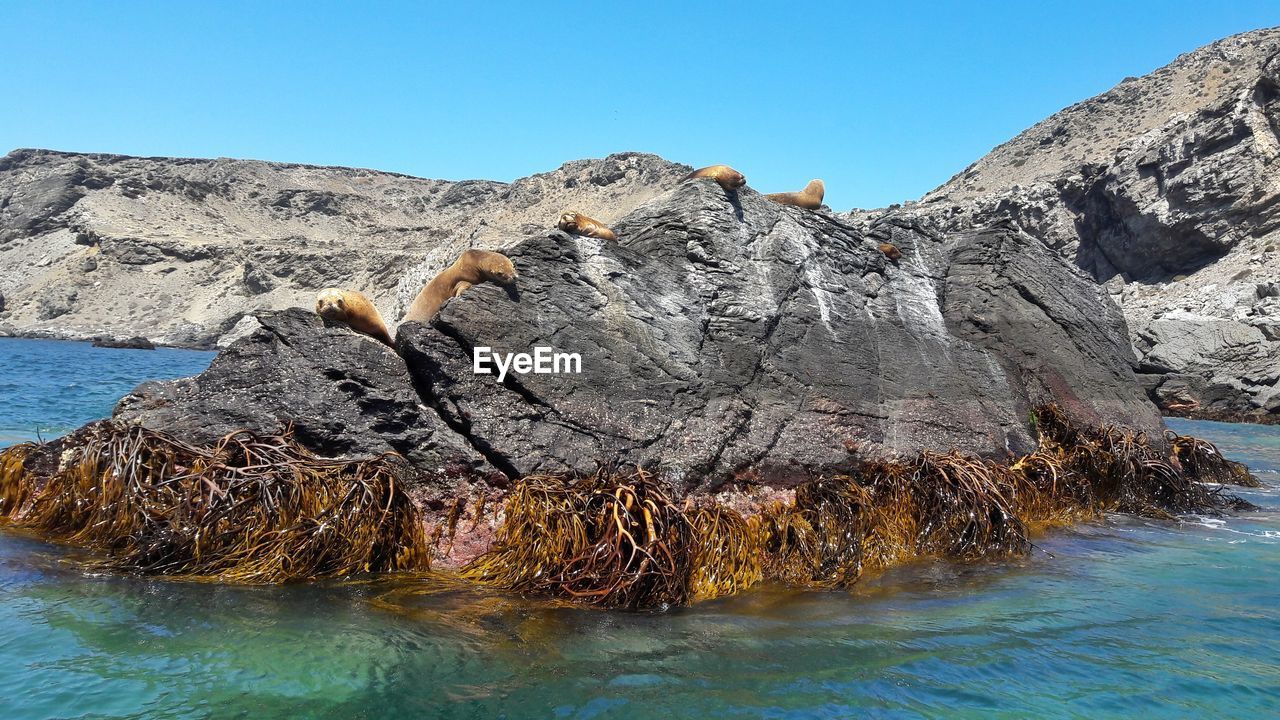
(618, 540)
(14, 489)
(266, 510)
(1122, 468)
(1204, 461)
(615, 540)
(932, 505)
(249, 509)
(727, 551)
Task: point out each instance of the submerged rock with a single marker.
(126, 343)
(721, 338)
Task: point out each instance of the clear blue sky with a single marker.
(883, 101)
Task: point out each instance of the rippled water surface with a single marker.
(1123, 618)
(48, 387)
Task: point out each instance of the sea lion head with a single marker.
(495, 267)
(733, 178)
(569, 222)
(815, 188)
(331, 304)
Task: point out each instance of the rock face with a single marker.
(1167, 189)
(180, 250)
(343, 394)
(721, 338)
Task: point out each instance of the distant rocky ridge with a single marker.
(179, 250)
(1164, 189)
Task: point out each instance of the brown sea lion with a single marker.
(472, 268)
(810, 198)
(890, 251)
(579, 224)
(728, 178)
(354, 310)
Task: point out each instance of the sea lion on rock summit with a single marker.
(810, 198)
(472, 268)
(728, 178)
(354, 310)
(579, 224)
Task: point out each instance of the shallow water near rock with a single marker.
(1122, 618)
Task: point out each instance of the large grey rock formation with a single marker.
(1167, 189)
(723, 337)
(179, 250)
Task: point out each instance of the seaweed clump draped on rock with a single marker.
(618, 540)
(1115, 469)
(610, 539)
(255, 510)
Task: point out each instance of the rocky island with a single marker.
(764, 392)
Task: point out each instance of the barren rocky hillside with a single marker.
(179, 250)
(1166, 189)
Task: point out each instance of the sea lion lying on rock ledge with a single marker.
(810, 198)
(890, 251)
(354, 310)
(579, 224)
(727, 177)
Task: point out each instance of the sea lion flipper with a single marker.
(461, 287)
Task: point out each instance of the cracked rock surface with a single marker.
(723, 337)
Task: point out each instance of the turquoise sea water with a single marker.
(1123, 618)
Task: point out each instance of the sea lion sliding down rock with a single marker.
(727, 177)
(810, 198)
(579, 224)
(472, 268)
(354, 310)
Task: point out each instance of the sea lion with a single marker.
(810, 198)
(728, 178)
(579, 224)
(472, 268)
(354, 310)
(890, 251)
